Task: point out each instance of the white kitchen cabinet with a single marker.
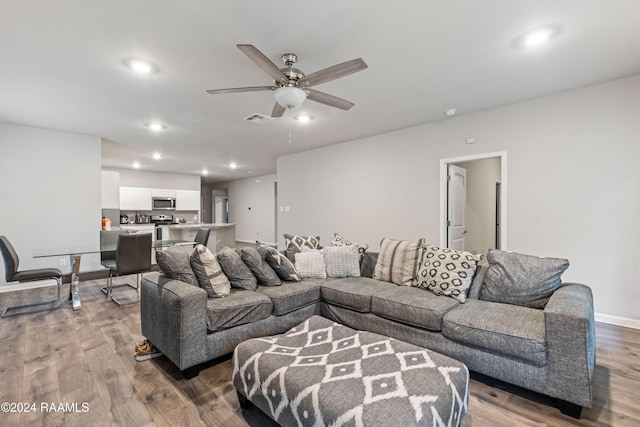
(135, 199)
(110, 190)
(187, 200)
(160, 192)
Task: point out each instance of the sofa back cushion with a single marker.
(520, 279)
(398, 261)
(175, 263)
(279, 262)
(263, 272)
(236, 270)
(368, 264)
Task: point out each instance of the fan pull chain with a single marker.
(289, 133)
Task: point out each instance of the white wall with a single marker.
(252, 207)
(572, 177)
(50, 193)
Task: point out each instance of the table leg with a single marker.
(74, 294)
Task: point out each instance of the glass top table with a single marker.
(75, 255)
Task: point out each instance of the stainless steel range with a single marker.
(161, 222)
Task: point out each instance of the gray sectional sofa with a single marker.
(550, 350)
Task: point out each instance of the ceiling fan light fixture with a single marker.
(303, 118)
(290, 97)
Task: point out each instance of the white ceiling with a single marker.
(61, 68)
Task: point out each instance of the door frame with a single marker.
(444, 166)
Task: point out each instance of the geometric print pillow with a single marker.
(295, 244)
(447, 272)
(338, 240)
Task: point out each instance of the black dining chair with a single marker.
(202, 236)
(12, 274)
(133, 256)
(108, 244)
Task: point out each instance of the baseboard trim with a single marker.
(616, 320)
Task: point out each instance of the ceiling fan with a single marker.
(291, 85)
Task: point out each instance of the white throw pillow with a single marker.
(310, 264)
(342, 261)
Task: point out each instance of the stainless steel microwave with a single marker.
(164, 203)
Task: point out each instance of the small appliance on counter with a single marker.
(124, 219)
(142, 219)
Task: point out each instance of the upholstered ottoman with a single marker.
(323, 373)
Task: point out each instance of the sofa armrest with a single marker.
(173, 317)
(570, 332)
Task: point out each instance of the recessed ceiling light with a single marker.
(157, 156)
(140, 66)
(233, 165)
(303, 118)
(136, 165)
(537, 37)
(450, 111)
(155, 126)
(205, 172)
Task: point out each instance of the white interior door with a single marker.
(456, 203)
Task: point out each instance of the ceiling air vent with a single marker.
(258, 118)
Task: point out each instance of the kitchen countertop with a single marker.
(200, 225)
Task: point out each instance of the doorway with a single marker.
(480, 219)
(220, 206)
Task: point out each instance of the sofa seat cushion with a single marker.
(291, 296)
(238, 308)
(412, 306)
(506, 329)
(353, 292)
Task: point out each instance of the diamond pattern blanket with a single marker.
(322, 373)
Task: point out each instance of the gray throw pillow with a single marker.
(236, 270)
(519, 279)
(174, 263)
(280, 263)
(263, 272)
(209, 273)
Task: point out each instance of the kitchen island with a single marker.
(224, 234)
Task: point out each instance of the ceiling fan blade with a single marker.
(325, 98)
(334, 72)
(241, 89)
(278, 110)
(262, 61)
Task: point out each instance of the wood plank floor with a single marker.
(86, 357)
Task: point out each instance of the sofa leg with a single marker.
(568, 408)
(243, 401)
(190, 373)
